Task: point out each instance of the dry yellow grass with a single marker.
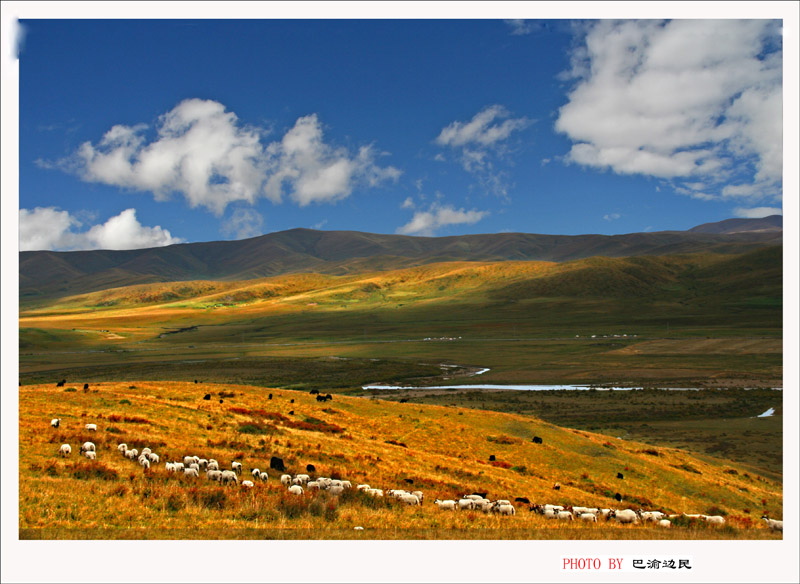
(444, 451)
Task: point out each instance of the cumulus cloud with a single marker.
(428, 222)
(611, 216)
(519, 26)
(48, 228)
(243, 223)
(481, 142)
(201, 151)
(693, 100)
(757, 212)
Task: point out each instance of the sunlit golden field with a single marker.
(444, 450)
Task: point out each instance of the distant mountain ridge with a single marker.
(44, 274)
(764, 224)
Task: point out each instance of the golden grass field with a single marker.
(444, 450)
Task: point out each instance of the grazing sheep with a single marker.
(190, 472)
(146, 451)
(714, 519)
(154, 458)
(409, 499)
(773, 524)
(130, 454)
(336, 490)
(313, 485)
(55, 422)
(296, 481)
(170, 467)
(228, 476)
(255, 472)
(212, 465)
(588, 517)
(664, 523)
(549, 513)
(473, 497)
(145, 463)
(286, 479)
(482, 504)
(566, 515)
(195, 466)
(296, 490)
(502, 502)
(87, 446)
(555, 508)
(604, 513)
(624, 516)
(203, 463)
(65, 450)
(447, 505)
(247, 484)
(582, 510)
(263, 477)
(375, 492)
(349, 485)
(122, 448)
(214, 475)
(504, 509)
(187, 460)
(418, 495)
(134, 451)
(305, 478)
(236, 466)
(654, 516)
(90, 454)
(179, 466)
(466, 504)
(91, 427)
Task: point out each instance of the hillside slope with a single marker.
(442, 451)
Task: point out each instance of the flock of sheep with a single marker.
(192, 466)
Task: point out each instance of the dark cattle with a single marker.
(329, 397)
(557, 487)
(619, 475)
(320, 398)
(522, 500)
(409, 481)
(482, 494)
(537, 440)
(492, 458)
(404, 400)
(270, 396)
(618, 497)
(61, 383)
(195, 381)
(291, 413)
(220, 401)
(207, 396)
(291, 401)
(277, 463)
(314, 392)
(311, 468)
(85, 386)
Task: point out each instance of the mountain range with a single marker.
(48, 274)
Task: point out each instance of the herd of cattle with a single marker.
(193, 466)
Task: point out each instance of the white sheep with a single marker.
(212, 465)
(286, 479)
(348, 485)
(179, 466)
(447, 505)
(565, 515)
(130, 454)
(145, 463)
(203, 463)
(581, 510)
(296, 481)
(122, 448)
(549, 513)
(146, 451)
(214, 475)
(505, 509)
(247, 484)
(588, 517)
(305, 478)
(90, 454)
(654, 516)
(229, 476)
(236, 466)
(418, 495)
(375, 492)
(714, 519)
(255, 472)
(336, 490)
(263, 477)
(296, 490)
(664, 523)
(465, 504)
(195, 466)
(625, 516)
(65, 450)
(88, 446)
(473, 497)
(55, 422)
(154, 458)
(774, 524)
(190, 472)
(187, 460)
(170, 466)
(483, 504)
(363, 487)
(409, 499)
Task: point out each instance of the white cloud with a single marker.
(408, 203)
(481, 143)
(47, 228)
(519, 26)
(427, 222)
(320, 224)
(243, 223)
(611, 216)
(698, 100)
(201, 151)
(757, 212)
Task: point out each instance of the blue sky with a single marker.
(136, 133)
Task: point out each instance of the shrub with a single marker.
(502, 439)
(500, 464)
(714, 510)
(70, 390)
(113, 430)
(175, 502)
(292, 506)
(125, 402)
(210, 499)
(650, 451)
(92, 470)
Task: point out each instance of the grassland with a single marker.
(445, 451)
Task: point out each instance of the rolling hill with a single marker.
(47, 274)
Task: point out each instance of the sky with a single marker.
(142, 133)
